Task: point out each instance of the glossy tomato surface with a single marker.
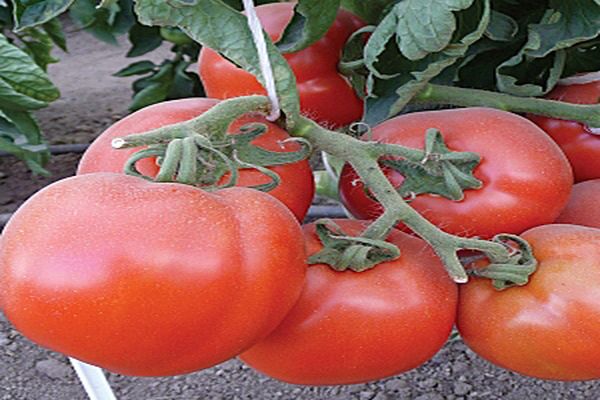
(579, 143)
(351, 327)
(325, 95)
(549, 328)
(526, 178)
(297, 186)
(149, 279)
(583, 207)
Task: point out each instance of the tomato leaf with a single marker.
(23, 84)
(137, 68)
(156, 88)
(311, 20)
(53, 29)
(413, 44)
(540, 63)
(143, 40)
(28, 14)
(216, 25)
(371, 11)
(502, 27)
(21, 137)
(104, 23)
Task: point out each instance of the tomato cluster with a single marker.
(152, 279)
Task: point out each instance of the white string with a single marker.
(263, 57)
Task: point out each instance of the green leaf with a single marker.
(371, 11)
(185, 83)
(311, 20)
(502, 27)
(32, 13)
(39, 47)
(540, 63)
(413, 44)
(53, 29)
(20, 136)
(143, 40)
(215, 25)
(23, 84)
(104, 23)
(156, 88)
(137, 68)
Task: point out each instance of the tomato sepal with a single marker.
(344, 252)
(442, 171)
(513, 269)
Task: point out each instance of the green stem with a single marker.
(363, 157)
(584, 113)
(213, 122)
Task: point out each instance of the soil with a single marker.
(92, 100)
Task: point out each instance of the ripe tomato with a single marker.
(297, 185)
(582, 208)
(351, 327)
(526, 178)
(147, 278)
(581, 146)
(549, 328)
(320, 85)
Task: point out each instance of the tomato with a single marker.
(351, 327)
(581, 146)
(526, 178)
(146, 278)
(325, 95)
(297, 185)
(549, 328)
(582, 208)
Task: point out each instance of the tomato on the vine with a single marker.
(325, 95)
(549, 328)
(297, 185)
(583, 207)
(526, 178)
(351, 327)
(579, 143)
(146, 278)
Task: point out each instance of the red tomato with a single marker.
(583, 206)
(297, 185)
(351, 327)
(549, 328)
(147, 278)
(325, 95)
(526, 178)
(581, 146)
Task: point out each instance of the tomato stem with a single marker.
(364, 156)
(441, 94)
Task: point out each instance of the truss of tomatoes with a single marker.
(156, 279)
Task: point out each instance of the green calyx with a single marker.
(204, 161)
(512, 269)
(342, 252)
(441, 171)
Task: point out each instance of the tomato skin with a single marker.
(582, 208)
(581, 147)
(149, 279)
(526, 178)
(351, 327)
(320, 85)
(296, 190)
(549, 328)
